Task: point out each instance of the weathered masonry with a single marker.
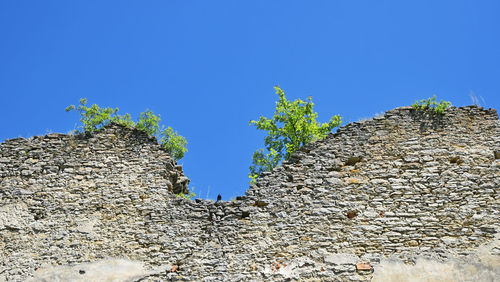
(407, 184)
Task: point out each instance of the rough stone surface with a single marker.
(405, 185)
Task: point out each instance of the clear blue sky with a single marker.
(208, 67)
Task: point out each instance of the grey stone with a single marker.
(341, 259)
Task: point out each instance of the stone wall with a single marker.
(407, 184)
(64, 197)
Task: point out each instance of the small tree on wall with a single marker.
(293, 125)
(93, 118)
(432, 105)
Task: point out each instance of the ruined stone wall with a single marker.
(406, 184)
(67, 198)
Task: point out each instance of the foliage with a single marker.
(431, 104)
(148, 122)
(174, 143)
(187, 196)
(124, 120)
(293, 125)
(263, 162)
(93, 118)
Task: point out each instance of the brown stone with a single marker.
(360, 266)
(352, 214)
(412, 243)
(352, 160)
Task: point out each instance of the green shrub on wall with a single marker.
(94, 118)
(189, 196)
(293, 125)
(431, 104)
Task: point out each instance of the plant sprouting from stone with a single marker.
(94, 118)
(262, 161)
(431, 104)
(174, 143)
(293, 125)
(149, 123)
(187, 196)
